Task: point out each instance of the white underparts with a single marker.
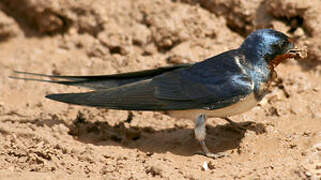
(243, 105)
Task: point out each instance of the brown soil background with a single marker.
(42, 139)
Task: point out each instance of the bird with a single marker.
(221, 86)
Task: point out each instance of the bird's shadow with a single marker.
(178, 140)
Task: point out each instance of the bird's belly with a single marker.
(243, 105)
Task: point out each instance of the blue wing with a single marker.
(211, 84)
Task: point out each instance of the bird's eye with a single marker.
(276, 46)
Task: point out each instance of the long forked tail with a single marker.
(67, 80)
(43, 80)
(100, 81)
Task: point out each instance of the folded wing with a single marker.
(201, 86)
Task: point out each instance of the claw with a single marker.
(211, 155)
(258, 128)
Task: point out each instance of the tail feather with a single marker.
(97, 82)
(51, 76)
(43, 80)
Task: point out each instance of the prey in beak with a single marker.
(293, 52)
(297, 53)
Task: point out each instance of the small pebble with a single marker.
(308, 174)
(211, 165)
(205, 166)
(317, 146)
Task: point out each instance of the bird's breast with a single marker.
(241, 106)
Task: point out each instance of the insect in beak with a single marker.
(297, 53)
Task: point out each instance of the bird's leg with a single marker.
(237, 126)
(200, 135)
(258, 128)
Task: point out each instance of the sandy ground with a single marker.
(42, 139)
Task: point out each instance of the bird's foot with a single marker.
(200, 134)
(258, 128)
(241, 127)
(211, 155)
(207, 153)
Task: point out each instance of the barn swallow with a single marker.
(221, 86)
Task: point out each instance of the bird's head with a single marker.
(270, 46)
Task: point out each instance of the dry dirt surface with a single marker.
(43, 139)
